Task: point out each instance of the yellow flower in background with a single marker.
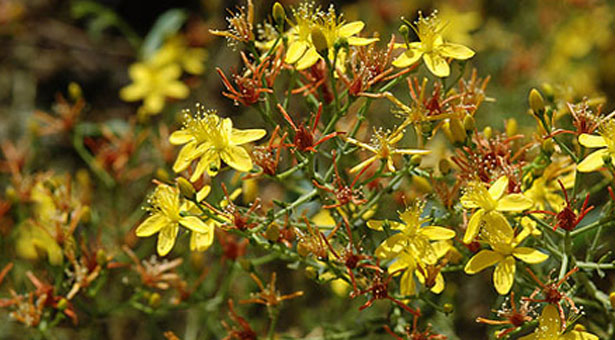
(463, 22)
(153, 83)
(606, 143)
(490, 203)
(176, 51)
(412, 236)
(504, 253)
(212, 139)
(432, 47)
(550, 328)
(383, 145)
(33, 241)
(308, 18)
(167, 215)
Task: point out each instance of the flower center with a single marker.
(165, 200)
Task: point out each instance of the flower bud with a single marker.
(154, 300)
(74, 91)
(416, 160)
(457, 130)
(612, 299)
(186, 188)
(162, 175)
(548, 146)
(511, 127)
(488, 132)
(101, 257)
(536, 102)
(62, 304)
(468, 123)
(448, 308)
(547, 89)
(444, 166)
(320, 41)
(311, 273)
(272, 233)
(302, 249)
(279, 16)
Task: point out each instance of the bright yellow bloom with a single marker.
(550, 328)
(383, 145)
(212, 139)
(464, 22)
(412, 236)
(504, 252)
(490, 202)
(432, 47)
(546, 191)
(301, 50)
(168, 212)
(152, 83)
(176, 51)
(606, 143)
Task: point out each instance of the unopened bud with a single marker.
(547, 89)
(302, 249)
(488, 132)
(444, 166)
(457, 130)
(74, 91)
(468, 123)
(186, 188)
(62, 304)
(86, 215)
(548, 146)
(320, 41)
(612, 299)
(272, 233)
(162, 175)
(536, 102)
(448, 308)
(279, 15)
(154, 300)
(311, 273)
(101, 257)
(416, 160)
(511, 127)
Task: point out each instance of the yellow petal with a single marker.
(514, 202)
(473, 226)
(485, 258)
(442, 247)
(207, 159)
(152, 225)
(239, 137)
(529, 255)
(350, 28)
(194, 223)
(153, 103)
(436, 65)
(166, 239)
(180, 137)
(592, 141)
(133, 92)
(205, 190)
(201, 241)
(392, 246)
(407, 285)
(309, 58)
(296, 49)
(497, 228)
(439, 286)
(455, 51)
(422, 249)
(359, 41)
(376, 225)
(176, 89)
(498, 188)
(171, 71)
(186, 155)
(435, 233)
(138, 71)
(504, 275)
(593, 161)
(237, 158)
(549, 323)
(576, 335)
(410, 57)
(363, 164)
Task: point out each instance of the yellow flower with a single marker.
(464, 23)
(176, 51)
(606, 143)
(504, 252)
(212, 139)
(432, 47)
(301, 50)
(550, 328)
(383, 145)
(412, 237)
(490, 202)
(545, 190)
(152, 83)
(167, 214)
